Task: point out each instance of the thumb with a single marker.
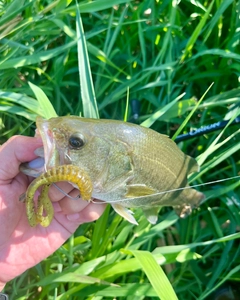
(15, 151)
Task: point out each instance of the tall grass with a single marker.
(166, 54)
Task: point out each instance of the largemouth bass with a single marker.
(128, 165)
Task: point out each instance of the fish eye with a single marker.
(76, 141)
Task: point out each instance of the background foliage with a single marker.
(166, 54)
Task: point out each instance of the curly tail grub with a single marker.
(69, 173)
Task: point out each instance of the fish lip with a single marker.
(50, 154)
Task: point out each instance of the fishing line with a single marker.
(174, 190)
(156, 194)
(66, 194)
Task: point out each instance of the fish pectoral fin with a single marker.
(125, 213)
(138, 190)
(151, 214)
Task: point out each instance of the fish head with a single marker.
(73, 140)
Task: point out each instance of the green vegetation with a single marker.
(166, 54)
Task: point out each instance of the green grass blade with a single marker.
(215, 145)
(13, 9)
(190, 114)
(74, 277)
(154, 117)
(127, 107)
(47, 109)
(236, 271)
(99, 231)
(106, 237)
(178, 248)
(224, 5)
(196, 33)
(116, 31)
(124, 266)
(139, 290)
(134, 81)
(17, 110)
(103, 57)
(155, 274)
(87, 91)
(94, 6)
(17, 62)
(142, 43)
(168, 220)
(218, 158)
(23, 100)
(178, 109)
(218, 52)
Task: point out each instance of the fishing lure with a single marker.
(43, 212)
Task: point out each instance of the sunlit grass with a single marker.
(165, 54)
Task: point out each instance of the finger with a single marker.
(89, 214)
(70, 206)
(59, 190)
(15, 151)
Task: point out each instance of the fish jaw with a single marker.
(53, 155)
(50, 153)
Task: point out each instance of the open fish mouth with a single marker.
(50, 153)
(49, 156)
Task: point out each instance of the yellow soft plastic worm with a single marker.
(43, 213)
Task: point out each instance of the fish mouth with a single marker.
(47, 139)
(47, 156)
(52, 156)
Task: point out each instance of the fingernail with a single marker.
(39, 152)
(36, 163)
(73, 217)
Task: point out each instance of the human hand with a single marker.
(22, 246)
